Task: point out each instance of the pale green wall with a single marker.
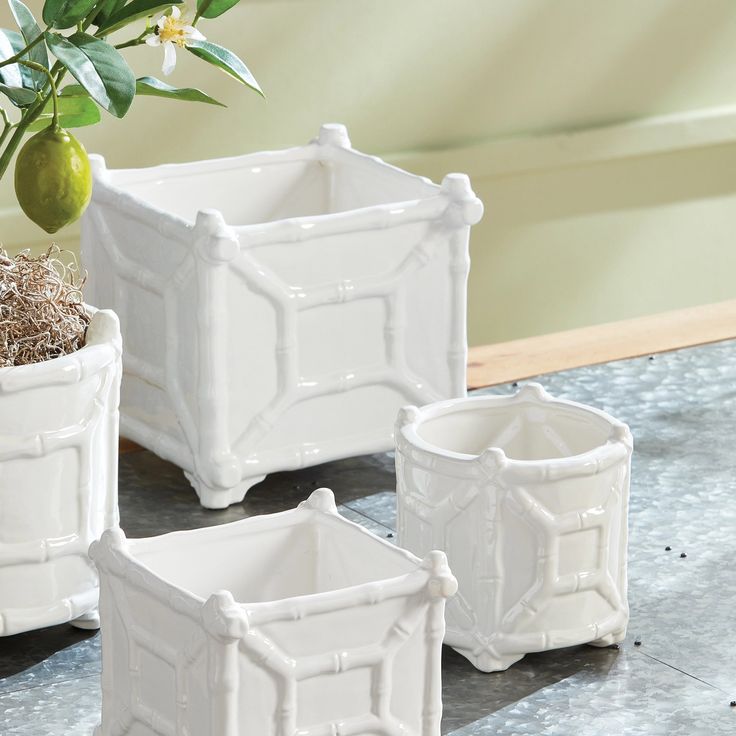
(598, 243)
(559, 247)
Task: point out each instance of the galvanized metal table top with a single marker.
(676, 673)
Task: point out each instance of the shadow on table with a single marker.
(156, 498)
(470, 695)
(52, 647)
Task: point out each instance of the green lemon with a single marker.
(53, 179)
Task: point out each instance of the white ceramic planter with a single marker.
(279, 308)
(528, 496)
(58, 480)
(295, 623)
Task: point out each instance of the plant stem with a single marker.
(7, 125)
(17, 57)
(137, 41)
(29, 116)
(127, 44)
(54, 94)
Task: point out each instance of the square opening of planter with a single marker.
(297, 622)
(279, 308)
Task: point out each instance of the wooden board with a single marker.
(127, 445)
(511, 361)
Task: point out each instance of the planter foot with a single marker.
(212, 497)
(613, 638)
(487, 662)
(89, 621)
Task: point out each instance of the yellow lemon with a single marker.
(53, 179)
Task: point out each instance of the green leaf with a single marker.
(10, 74)
(133, 11)
(26, 74)
(157, 88)
(213, 8)
(225, 60)
(30, 31)
(66, 13)
(105, 8)
(73, 90)
(98, 67)
(18, 95)
(75, 111)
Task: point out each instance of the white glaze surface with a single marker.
(58, 479)
(285, 325)
(299, 622)
(528, 496)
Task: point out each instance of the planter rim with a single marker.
(116, 548)
(454, 188)
(103, 333)
(618, 443)
(315, 150)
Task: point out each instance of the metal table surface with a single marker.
(678, 681)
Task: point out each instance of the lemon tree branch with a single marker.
(7, 125)
(54, 94)
(137, 41)
(29, 116)
(16, 58)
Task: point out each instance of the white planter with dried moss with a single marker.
(279, 308)
(294, 623)
(58, 479)
(528, 495)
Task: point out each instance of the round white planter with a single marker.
(528, 495)
(293, 623)
(58, 480)
(279, 308)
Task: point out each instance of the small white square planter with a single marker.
(528, 496)
(58, 480)
(279, 308)
(298, 623)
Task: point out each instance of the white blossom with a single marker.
(171, 31)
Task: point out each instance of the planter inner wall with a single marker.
(266, 192)
(522, 432)
(269, 564)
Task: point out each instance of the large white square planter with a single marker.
(279, 308)
(298, 623)
(58, 480)
(528, 496)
